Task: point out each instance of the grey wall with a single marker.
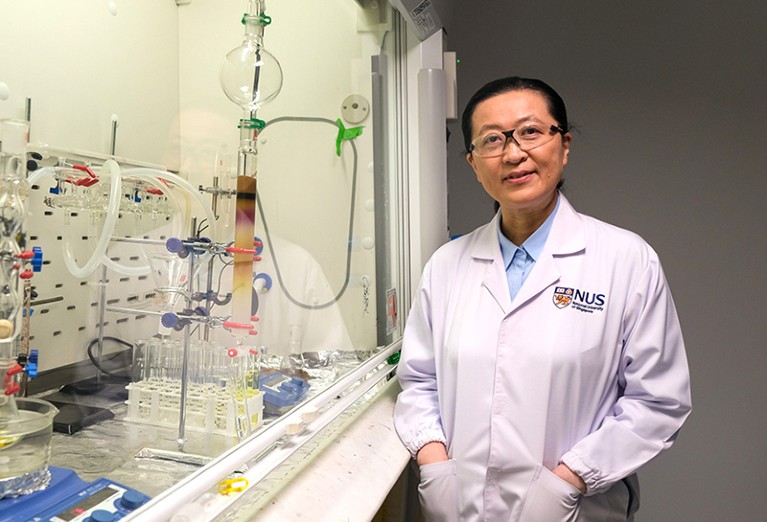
(669, 98)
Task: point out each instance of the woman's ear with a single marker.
(470, 160)
(566, 139)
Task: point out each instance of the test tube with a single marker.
(139, 363)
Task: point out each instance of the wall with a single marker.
(668, 99)
(80, 64)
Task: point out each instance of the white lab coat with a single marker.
(599, 381)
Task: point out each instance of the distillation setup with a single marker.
(25, 424)
(250, 77)
(191, 382)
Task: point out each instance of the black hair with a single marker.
(514, 83)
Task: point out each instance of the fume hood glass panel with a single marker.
(316, 201)
(145, 298)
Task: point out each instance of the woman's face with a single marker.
(520, 181)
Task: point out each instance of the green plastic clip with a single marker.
(345, 134)
(263, 19)
(393, 358)
(251, 123)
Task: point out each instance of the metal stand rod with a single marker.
(102, 310)
(113, 137)
(185, 353)
(184, 378)
(208, 301)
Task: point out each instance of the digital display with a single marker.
(92, 501)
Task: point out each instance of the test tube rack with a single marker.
(209, 406)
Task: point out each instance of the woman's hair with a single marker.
(513, 83)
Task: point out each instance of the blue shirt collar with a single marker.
(533, 245)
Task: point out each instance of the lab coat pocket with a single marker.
(549, 499)
(438, 492)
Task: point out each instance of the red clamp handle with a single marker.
(237, 326)
(84, 168)
(239, 250)
(12, 386)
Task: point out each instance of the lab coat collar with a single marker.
(566, 238)
(567, 235)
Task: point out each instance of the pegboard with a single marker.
(68, 318)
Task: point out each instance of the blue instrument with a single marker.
(69, 498)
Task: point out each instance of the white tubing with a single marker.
(68, 256)
(113, 211)
(152, 175)
(181, 207)
(148, 174)
(142, 269)
(39, 173)
(181, 182)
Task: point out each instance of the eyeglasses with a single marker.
(527, 137)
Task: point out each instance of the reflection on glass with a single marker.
(315, 282)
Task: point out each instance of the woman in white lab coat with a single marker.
(542, 362)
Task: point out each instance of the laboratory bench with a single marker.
(354, 468)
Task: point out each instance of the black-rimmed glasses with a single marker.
(527, 137)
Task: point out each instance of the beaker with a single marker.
(25, 447)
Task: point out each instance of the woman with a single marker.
(543, 362)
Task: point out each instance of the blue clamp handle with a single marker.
(31, 367)
(169, 319)
(260, 246)
(176, 246)
(37, 259)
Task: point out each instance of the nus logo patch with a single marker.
(588, 302)
(562, 297)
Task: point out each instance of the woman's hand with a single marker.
(431, 452)
(568, 475)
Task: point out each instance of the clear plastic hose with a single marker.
(146, 173)
(39, 173)
(113, 211)
(151, 176)
(98, 254)
(143, 269)
(113, 208)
